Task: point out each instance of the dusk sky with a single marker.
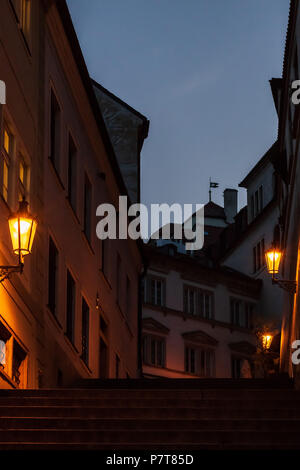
(199, 70)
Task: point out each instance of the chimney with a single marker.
(230, 204)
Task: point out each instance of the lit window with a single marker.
(23, 179)
(5, 180)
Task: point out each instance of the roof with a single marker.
(266, 158)
(125, 105)
(213, 210)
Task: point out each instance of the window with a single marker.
(72, 173)
(198, 302)
(87, 208)
(119, 279)
(154, 291)
(154, 348)
(23, 179)
(85, 331)
(128, 297)
(6, 162)
(52, 277)
(5, 336)
(235, 311)
(236, 366)
(257, 202)
(18, 364)
(259, 255)
(190, 296)
(70, 307)
(105, 257)
(241, 313)
(249, 313)
(55, 122)
(117, 366)
(22, 9)
(199, 361)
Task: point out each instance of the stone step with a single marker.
(146, 412)
(180, 437)
(282, 382)
(249, 424)
(149, 402)
(220, 394)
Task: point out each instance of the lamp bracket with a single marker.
(288, 285)
(6, 271)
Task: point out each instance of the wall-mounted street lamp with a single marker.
(273, 258)
(266, 341)
(22, 227)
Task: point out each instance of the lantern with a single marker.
(273, 258)
(22, 228)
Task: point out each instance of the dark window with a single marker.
(259, 255)
(236, 365)
(85, 331)
(235, 311)
(103, 326)
(103, 362)
(52, 277)
(55, 132)
(154, 350)
(128, 297)
(72, 173)
(200, 361)
(19, 356)
(117, 366)
(87, 208)
(119, 279)
(70, 307)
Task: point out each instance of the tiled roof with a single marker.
(212, 209)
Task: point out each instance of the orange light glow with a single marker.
(22, 230)
(273, 258)
(267, 341)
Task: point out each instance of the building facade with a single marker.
(287, 166)
(74, 312)
(197, 318)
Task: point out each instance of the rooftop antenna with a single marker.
(212, 185)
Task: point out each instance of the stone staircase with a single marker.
(153, 415)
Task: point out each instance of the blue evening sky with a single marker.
(199, 70)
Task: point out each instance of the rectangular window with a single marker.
(249, 313)
(72, 173)
(200, 361)
(128, 297)
(257, 202)
(190, 296)
(235, 311)
(55, 123)
(23, 179)
(154, 350)
(259, 255)
(87, 208)
(6, 162)
(52, 277)
(117, 366)
(26, 20)
(70, 307)
(18, 364)
(85, 331)
(156, 291)
(236, 365)
(119, 279)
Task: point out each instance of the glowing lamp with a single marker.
(266, 341)
(22, 228)
(273, 258)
